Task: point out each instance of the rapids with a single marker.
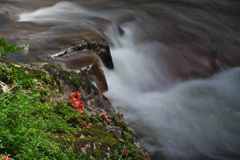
(179, 105)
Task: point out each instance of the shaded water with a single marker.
(157, 49)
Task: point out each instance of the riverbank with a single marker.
(40, 117)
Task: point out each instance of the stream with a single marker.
(176, 75)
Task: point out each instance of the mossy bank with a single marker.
(38, 123)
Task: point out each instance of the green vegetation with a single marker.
(35, 124)
(7, 48)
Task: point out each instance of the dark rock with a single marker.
(121, 31)
(90, 64)
(87, 56)
(101, 49)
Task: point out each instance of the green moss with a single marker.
(35, 127)
(99, 135)
(76, 80)
(7, 48)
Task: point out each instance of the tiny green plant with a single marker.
(7, 47)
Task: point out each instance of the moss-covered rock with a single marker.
(37, 122)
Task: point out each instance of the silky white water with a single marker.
(188, 120)
(56, 13)
(192, 120)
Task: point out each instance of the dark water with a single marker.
(166, 54)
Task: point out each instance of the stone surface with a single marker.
(99, 48)
(87, 55)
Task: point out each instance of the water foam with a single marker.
(195, 119)
(63, 12)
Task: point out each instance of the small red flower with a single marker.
(76, 101)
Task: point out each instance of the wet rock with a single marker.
(90, 64)
(101, 49)
(121, 31)
(87, 56)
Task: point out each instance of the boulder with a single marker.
(99, 48)
(87, 56)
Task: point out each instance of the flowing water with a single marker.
(161, 52)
